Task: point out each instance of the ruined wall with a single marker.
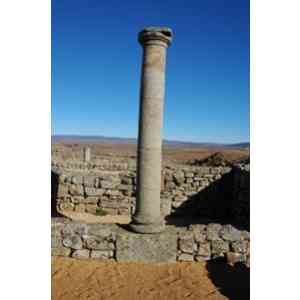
(212, 192)
(198, 242)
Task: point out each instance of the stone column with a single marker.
(147, 218)
(86, 154)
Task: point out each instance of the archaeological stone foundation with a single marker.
(178, 212)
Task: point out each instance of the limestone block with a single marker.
(81, 254)
(77, 179)
(230, 233)
(107, 231)
(56, 240)
(76, 190)
(165, 206)
(212, 231)
(160, 247)
(178, 177)
(101, 254)
(124, 211)
(105, 184)
(98, 243)
(90, 191)
(62, 190)
(185, 257)
(245, 235)
(65, 206)
(239, 246)
(204, 251)
(189, 175)
(219, 246)
(109, 203)
(89, 181)
(73, 242)
(186, 243)
(62, 178)
(77, 199)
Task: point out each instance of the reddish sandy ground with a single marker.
(82, 279)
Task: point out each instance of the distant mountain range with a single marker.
(117, 140)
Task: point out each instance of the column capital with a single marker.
(156, 35)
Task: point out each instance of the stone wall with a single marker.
(198, 242)
(212, 192)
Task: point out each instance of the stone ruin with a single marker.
(212, 202)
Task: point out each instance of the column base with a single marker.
(147, 228)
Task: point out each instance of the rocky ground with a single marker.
(172, 153)
(82, 279)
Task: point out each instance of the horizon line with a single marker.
(134, 138)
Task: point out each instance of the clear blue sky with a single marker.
(96, 66)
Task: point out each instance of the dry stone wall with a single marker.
(198, 242)
(212, 192)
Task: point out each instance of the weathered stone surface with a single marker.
(185, 257)
(108, 184)
(77, 179)
(76, 190)
(81, 254)
(204, 251)
(101, 254)
(105, 231)
(219, 246)
(62, 190)
(91, 200)
(56, 241)
(89, 181)
(212, 231)
(91, 208)
(233, 258)
(62, 251)
(245, 235)
(67, 206)
(73, 241)
(239, 246)
(202, 258)
(77, 200)
(98, 243)
(230, 233)
(161, 247)
(178, 177)
(186, 243)
(165, 206)
(90, 191)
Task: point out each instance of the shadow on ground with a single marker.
(215, 203)
(231, 281)
(54, 188)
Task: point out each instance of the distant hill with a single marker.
(117, 140)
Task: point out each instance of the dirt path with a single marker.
(75, 279)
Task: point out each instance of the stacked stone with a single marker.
(97, 164)
(204, 242)
(183, 182)
(115, 191)
(198, 242)
(82, 241)
(112, 191)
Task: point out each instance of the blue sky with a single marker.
(96, 66)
